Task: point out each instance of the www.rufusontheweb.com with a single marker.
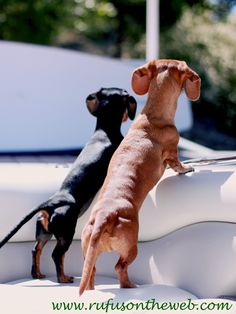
(149, 305)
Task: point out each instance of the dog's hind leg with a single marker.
(36, 254)
(58, 256)
(42, 237)
(122, 267)
(62, 225)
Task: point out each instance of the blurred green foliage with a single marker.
(117, 22)
(202, 32)
(33, 21)
(209, 46)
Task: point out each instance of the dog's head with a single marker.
(179, 70)
(114, 104)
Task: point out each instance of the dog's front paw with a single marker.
(187, 169)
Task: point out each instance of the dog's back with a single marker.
(89, 169)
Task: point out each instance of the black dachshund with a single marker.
(58, 215)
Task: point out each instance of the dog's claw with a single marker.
(186, 170)
(190, 169)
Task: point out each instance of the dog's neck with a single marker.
(162, 95)
(112, 128)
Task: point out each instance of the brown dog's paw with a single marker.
(186, 169)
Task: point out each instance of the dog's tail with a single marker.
(91, 255)
(22, 222)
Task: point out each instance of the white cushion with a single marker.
(36, 296)
(208, 194)
(176, 201)
(199, 258)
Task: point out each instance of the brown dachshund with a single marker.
(136, 166)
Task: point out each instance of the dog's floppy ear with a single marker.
(142, 77)
(192, 85)
(92, 104)
(131, 107)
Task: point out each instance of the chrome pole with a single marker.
(152, 29)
